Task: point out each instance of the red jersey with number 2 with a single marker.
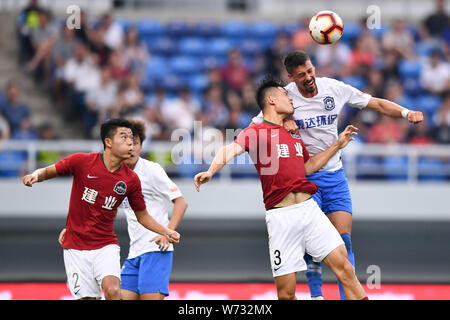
(96, 194)
(279, 157)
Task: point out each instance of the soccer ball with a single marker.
(326, 27)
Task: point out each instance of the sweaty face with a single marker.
(304, 77)
(122, 143)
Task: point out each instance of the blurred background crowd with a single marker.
(170, 74)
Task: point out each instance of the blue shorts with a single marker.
(148, 273)
(333, 194)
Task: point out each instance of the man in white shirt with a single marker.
(317, 104)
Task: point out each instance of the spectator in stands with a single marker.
(371, 42)
(130, 100)
(276, 53)
(28, 20)
(98, 48)
(390, 70)
(301, 39)
(237, 118)
(375, 83)
(100, 102)
(214, 107)
(332, 60)
(419, 134)
(399, 39)
(134, 54)
(4, 129)
(117, 66)
(80, 75)
(387, 130)
(362, 58)
(234, 73)
(157, 104)
(113, 33)
(25, 131)
(82, 34)
(441, 120)
(249, 104)
(435, 76)
(438, 21)
(181, 112)
(12, 108)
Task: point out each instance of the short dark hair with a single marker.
(109, 127)
(267, 83)
(295, 59)
(139, 129)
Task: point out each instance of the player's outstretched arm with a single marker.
(39, 175)
(151, 224)
(392, 109)
(220, 160)
(319, 160)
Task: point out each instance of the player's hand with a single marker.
(290, 126)
(415, 116)
(173, 236)
(347, 135)
(162, 242)
(201, 178)
(30, 179)
(61, 236)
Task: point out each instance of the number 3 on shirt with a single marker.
(277, 255)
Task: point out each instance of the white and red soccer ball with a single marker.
(326, 27)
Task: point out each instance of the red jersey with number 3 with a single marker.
(96, 194)
(279, 157)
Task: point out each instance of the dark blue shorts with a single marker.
(148, 273)
(333, 194)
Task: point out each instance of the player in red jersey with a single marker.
(295, 223)
(100, 183)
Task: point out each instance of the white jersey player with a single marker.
(318, 102)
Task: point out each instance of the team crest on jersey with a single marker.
(328, 102)
(295, 135)
(120, 187)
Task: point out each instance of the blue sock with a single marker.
(314, 276)
(348, 245)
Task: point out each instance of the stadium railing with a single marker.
(394, 162)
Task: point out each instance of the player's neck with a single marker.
(111, 162)
(274, 118)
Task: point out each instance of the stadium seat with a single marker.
(198, 82)
(219, 46)
(395, 167)
(173, 82)
(206, 29)
(412, 86)
(150, 28)
(161, 45)
(409, 69)
(289, 27)
(124, 23)
(431, 169)
(424, 49)
(213, 61)
(192, 46)
(262, 30)
(408, 102)
(251, 46)
(351, 32)
(355, 81)
(178, 29)
(234, 29)
(377, 32)
(157, 67)
(429, 103)
(184, 64)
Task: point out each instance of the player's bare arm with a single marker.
(179, 208)
(145, 219)
(220, 160)
(40, 175)
(319, 160)
(392, 109)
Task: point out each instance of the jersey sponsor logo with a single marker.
(328, 102)
(295, 135)
(317, 121)
(120, 187)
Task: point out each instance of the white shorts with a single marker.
(297, 229)
(86, 269)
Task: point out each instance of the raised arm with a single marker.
(319, 160)
(40, 175)
(392, 109)
(220, 160)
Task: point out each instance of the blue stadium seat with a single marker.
(377, 32)
(198, 82)
(431, 169)
(289, 27)
(213, 62)
(219, 46)
(173, 82)
(184, 64)
(262, 30)
(355, 81)
(251, 46)
(408, 102)
(178, 29)
(192, 46)
(150, 28)
(409, 69)
(157, 67)
(234, 29)
(424, 49)
(412, 86)
(351, 31)
(395, 167)
(429, 103)
(124, 23)
(161, 45)
(206, 29)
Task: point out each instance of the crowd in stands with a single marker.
(170, 74)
